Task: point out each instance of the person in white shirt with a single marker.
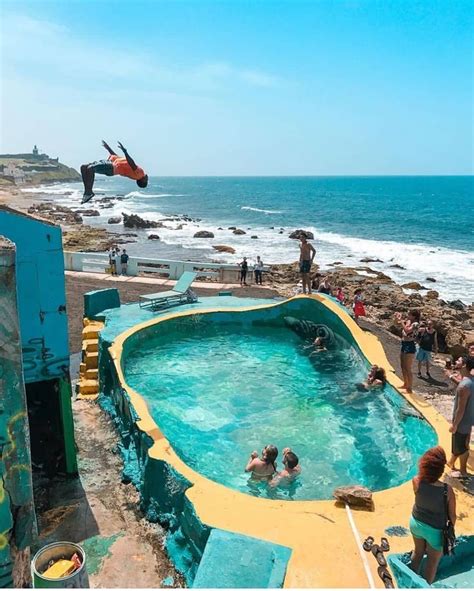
(258, 271)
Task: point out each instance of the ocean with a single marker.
(424, 224)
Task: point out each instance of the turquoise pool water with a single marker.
(219, 391)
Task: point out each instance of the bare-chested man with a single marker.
(307, 254)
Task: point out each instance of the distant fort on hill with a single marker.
(34, 168)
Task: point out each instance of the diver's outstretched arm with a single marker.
(108, 148)
(130, 160)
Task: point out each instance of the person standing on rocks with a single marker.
(307, 254)
(463, 421)
(409, 327)
(427, 340)
(114, 165)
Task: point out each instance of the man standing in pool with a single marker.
(307, 254)
(114, 165)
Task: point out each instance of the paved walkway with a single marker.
(158, 281)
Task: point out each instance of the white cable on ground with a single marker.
(362, 553)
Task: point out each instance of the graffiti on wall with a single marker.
(17, 517)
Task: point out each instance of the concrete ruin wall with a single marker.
(17, 517)
(41, 295)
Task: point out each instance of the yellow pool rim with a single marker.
(317, 531)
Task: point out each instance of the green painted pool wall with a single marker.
(162, 489)
(97, 301)
(461, 563)
(41, 296)
(17, 514)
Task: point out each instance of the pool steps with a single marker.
(88, 385)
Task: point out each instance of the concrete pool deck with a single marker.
(325, 546)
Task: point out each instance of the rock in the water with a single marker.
(232, 228)
(254, 237)
(114, 220)
(396, 266)
(458, 305)
(135, 221)
(239, 232)
(89, 212)
(220, 228)
(297, 234)
(354, 495)
(370, 260)
(223, 248)
(153, 237)
(413, 285)
(432, 279)
(203, 234)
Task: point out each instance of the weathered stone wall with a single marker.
(17, 517)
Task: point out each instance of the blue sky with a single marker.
(243, 88)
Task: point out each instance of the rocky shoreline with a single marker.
(453, 320)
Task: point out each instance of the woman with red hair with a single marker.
(429, 513)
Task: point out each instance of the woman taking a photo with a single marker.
(429, 512)
(407, 354)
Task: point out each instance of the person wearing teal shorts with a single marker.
(429, 512)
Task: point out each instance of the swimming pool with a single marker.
(220, 385)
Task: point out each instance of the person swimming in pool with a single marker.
(291, 469)
(264, 467)
(376, 378)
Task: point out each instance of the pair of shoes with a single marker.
(386, 577)
(368, 545)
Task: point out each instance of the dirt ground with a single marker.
(101, 513)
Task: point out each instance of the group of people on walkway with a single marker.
(118, 261)
(257, 270)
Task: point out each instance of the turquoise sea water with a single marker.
(222, 391)
(422, 224)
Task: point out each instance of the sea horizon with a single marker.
(407, 224)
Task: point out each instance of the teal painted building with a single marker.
(36, 424)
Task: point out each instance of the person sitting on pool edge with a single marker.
(291, 468)
(265, 466)
(376, 378)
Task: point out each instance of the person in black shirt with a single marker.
(124, 261)
(427, 340)
(244, 267)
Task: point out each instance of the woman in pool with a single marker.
(409, 327)
(265, 466)
(376, 378)
(429, 515)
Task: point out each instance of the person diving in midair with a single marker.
(114, 165)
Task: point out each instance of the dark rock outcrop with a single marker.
(135, 221)
(203, 234)
(153, 237)
(239, 232)
(297, 234)
(114, 220)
